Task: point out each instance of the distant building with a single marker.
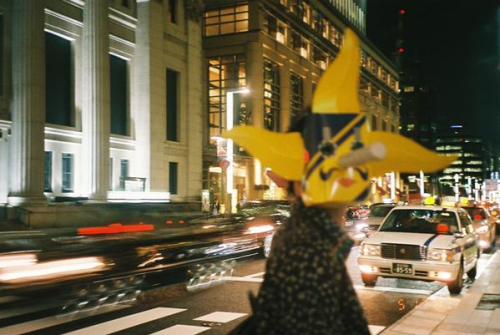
(473, 162)
(278, 49)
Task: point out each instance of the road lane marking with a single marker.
(128, 321)
(182, 330)
(394, 289)
(258, 274)
(374, 330)
(221, 317)
(30, 326)
(243, 279)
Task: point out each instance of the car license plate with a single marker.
(404, 269)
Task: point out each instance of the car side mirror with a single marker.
(459, 235)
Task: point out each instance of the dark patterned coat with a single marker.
(306, 288)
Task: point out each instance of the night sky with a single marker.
(457, 43)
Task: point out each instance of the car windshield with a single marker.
(421, 221)
(477, 214)
(380, 211)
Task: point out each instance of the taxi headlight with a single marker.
(370, 250)
(441, 255)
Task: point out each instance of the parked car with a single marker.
(485, 226)
(422, 243)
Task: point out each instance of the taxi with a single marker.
(429, 243)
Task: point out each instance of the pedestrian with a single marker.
(328, 163)
(216, 207)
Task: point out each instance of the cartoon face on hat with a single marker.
(335, 155)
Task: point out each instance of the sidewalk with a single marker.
(442, 314)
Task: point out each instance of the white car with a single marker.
(422, 243)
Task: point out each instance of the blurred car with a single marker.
(421, 243)
(485, 226)
(111, 264)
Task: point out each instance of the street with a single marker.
(215, 310)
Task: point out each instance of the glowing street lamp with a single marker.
(230, 145)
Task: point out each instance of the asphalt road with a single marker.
(213, 310)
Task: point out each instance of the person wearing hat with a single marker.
(326, 161)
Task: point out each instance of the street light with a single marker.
(230, 146)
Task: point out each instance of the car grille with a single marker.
(403, 251)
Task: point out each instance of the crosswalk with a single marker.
(28, 320)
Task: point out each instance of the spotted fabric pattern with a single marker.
(306, 288)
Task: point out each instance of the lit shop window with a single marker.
(271, 96)
(226, 20)
(225, 73)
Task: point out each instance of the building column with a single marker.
(285, 96)
(28, 102)
(149, 87)
(95, 98)
(255, 79)
(195, 105)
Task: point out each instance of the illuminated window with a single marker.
(335, 36)
(124, 172)
(320, 58)
(475, 163)
(271, 96)
(300, 45)
(473, 170)
(225, 73)
(296, 96)
(67, 172)
(276, 29)
(363, 85)
(306, 13)
(226, 21)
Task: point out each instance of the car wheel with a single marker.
(369, 280)
(266, 246)
(455, 286)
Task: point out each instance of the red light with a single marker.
(116, 228)
(442, 228)
(401, 50)
(402, 12)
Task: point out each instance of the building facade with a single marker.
(278, 49)
(473, 165)
(100, 99)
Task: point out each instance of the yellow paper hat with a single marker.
(345, 155)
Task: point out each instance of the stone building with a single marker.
(100, 99)
(278, 49)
